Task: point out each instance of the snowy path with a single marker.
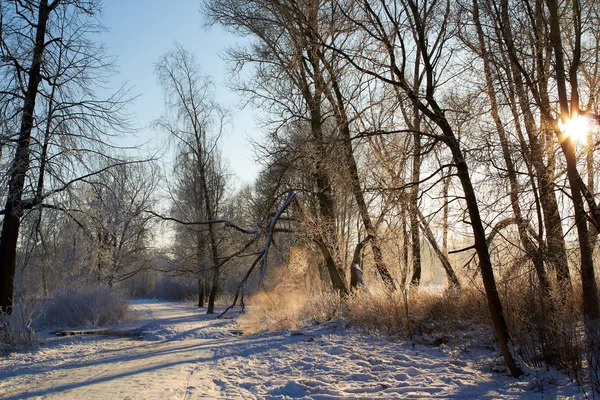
(185, 355)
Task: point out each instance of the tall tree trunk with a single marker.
(334, 95)
(200, 292)
(425, 101)
(14, 206)
(363, 210)
(414, 207)
(356, 274)
(214, 250)
(589, 161)
(445, 191)
(334, 273)
(569, 108)
(485, 263)
(328, 238)
(405, 242)
(201, 272)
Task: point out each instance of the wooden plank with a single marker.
(84, 331)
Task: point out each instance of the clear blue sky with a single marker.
(140, 31)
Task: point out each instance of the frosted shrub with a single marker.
(287, 308)
(274, 310)
(546, 331)
(87, 306)
(15, 328)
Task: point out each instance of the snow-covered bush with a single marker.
(15, 328)
(88, 306)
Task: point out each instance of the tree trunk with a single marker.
(324, 195)
(214, 250)
(334, 273)
(356, 274)
(446, 209)
(413, 206)
(20, 166)
(485, 263)
(569, 109)
(336, 98)
(552, 220)
(200, 292)
(200, 248)
(364, 212)
(405, 241)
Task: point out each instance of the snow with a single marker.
(185, 354)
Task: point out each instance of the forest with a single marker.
(425, 165)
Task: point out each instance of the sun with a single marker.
(577, 128)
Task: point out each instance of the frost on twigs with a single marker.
(16, 328)
(86, 306)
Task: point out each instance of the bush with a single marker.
(415, 313)
(273, 310)
(323, 307)
(15, 328)
(548, 329)
(412, 314)
(89, 306)
(378, 311)
(284, 308)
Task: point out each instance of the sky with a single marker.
(139, 32)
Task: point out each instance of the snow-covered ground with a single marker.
(187, 355)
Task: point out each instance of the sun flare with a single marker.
(577, 128)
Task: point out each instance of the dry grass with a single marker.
(542, 336)
(287, 309)
(546, 330)
(294, 300)
(415, 313)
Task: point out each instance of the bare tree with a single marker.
(49, 108)
(562, 67)
(396, 31)
(187, 193)
(119, 229)
(308, 82)
(195, 122)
